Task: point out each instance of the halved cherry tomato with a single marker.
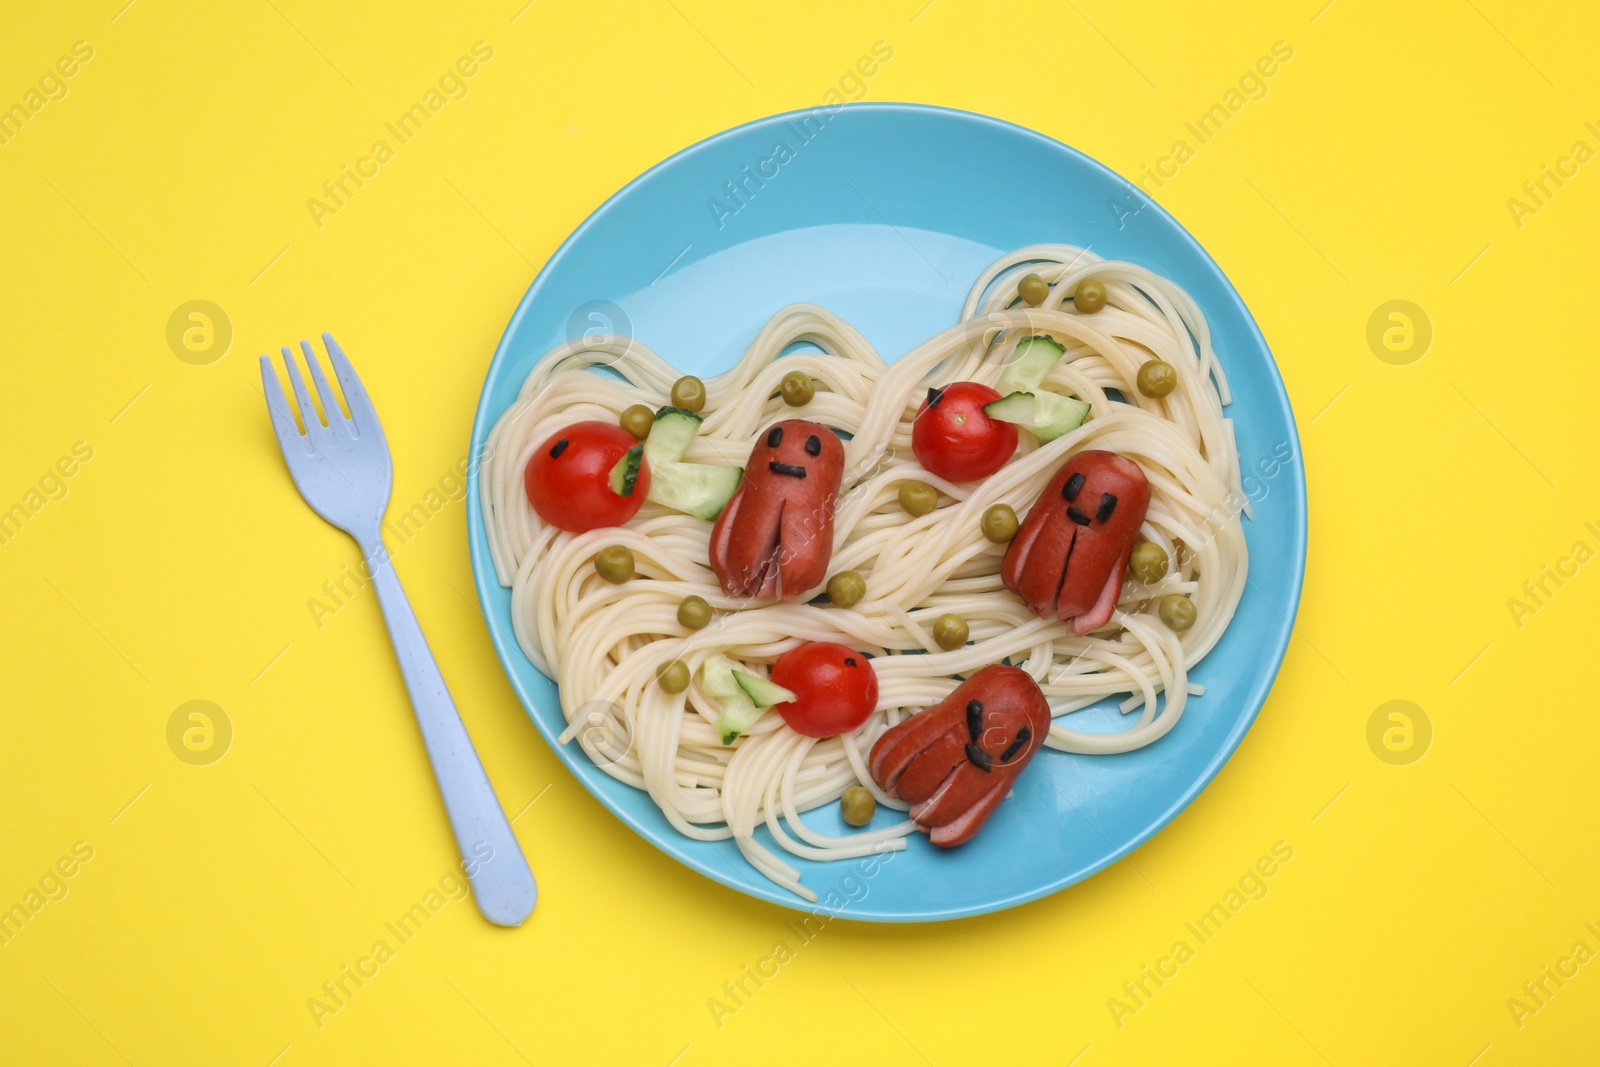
(569, 477)
(954, 439)
(836, 686)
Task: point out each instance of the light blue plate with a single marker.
(885, 213)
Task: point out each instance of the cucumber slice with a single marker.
(716, 678)
(736, 719)
(698, 489)
(763, 692)
(670, 435)
(736, 711)
(1047, 414)
(1031, 362)
(625, 475)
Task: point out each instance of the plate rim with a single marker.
(506, 647)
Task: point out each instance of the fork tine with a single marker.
(308, 411)
(355, 394)
(330, 403)
(278, 407)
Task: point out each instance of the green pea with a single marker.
(1149, 562)
(1177, 611)
(918, 498)
(694, 613)
(847, 588)
(797, 389)
(673, 677)
(999, 523)
(614, 563)
(689, 393)
(637, 420)
(1033, 289)
(857, 805)
(949, 632)
(1090, 296)
(1157, 378)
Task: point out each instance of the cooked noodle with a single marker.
(602, 642)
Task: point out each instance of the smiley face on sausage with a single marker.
(775, 537)
(1068, 556)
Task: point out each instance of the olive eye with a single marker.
(813, 446)
(775, 437)
(1024, 735)
(1074, 483)
(1108, 504)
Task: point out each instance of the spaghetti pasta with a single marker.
(603, 642)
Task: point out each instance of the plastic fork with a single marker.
(342, 469)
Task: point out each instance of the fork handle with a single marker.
(502, 882)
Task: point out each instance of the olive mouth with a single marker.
(792, 469)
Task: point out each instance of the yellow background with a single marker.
(179, 562)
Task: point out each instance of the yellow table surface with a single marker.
(1441, 910)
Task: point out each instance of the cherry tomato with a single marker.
(954, 439)
(569, 477)
(836, 686)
